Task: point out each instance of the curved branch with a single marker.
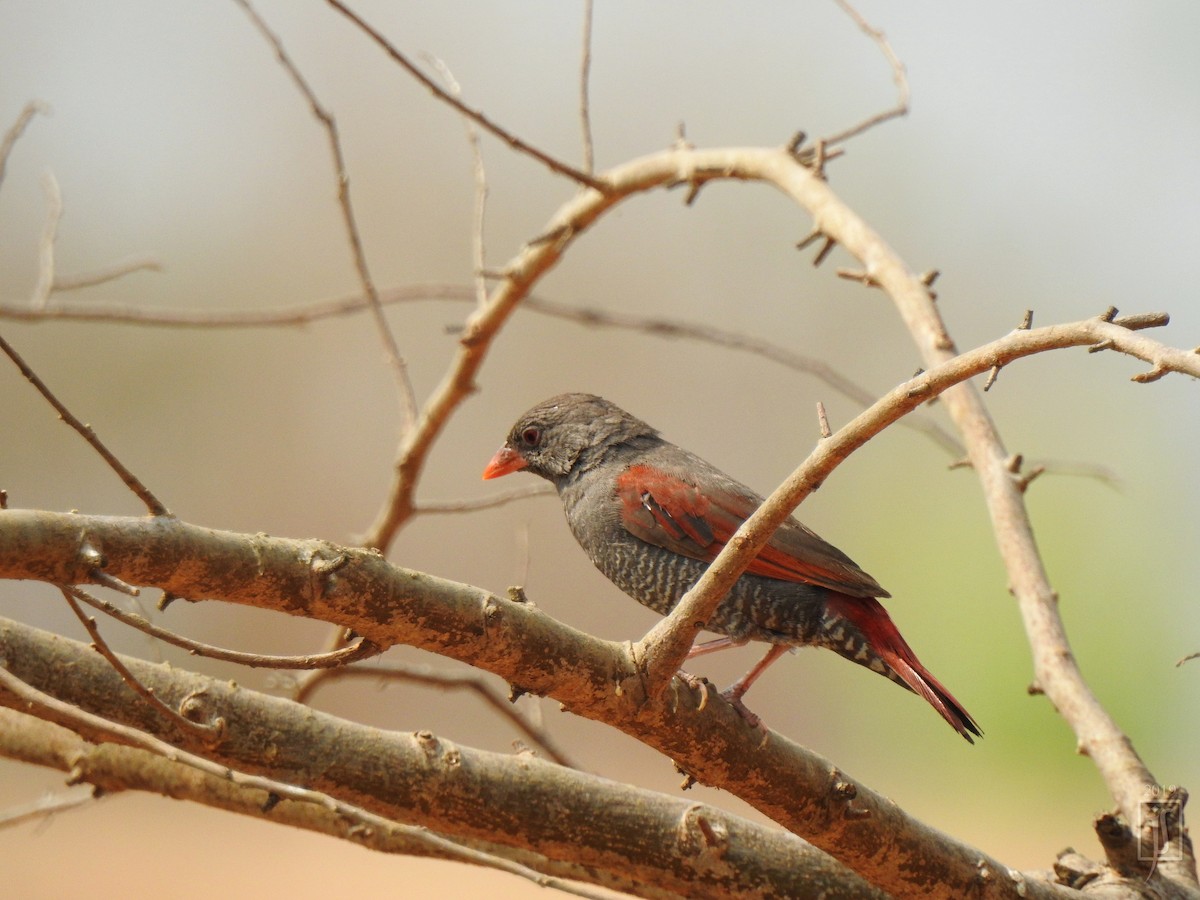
(352, 652)
(112, 768)
(899, 77)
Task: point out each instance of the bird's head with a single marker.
(565, 435)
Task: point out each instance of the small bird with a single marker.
(652, 516)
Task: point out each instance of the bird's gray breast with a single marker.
(757, 608)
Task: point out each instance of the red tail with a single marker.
(869, 616)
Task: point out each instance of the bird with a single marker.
(651, 516)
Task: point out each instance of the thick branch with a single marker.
(386, 604)
(632, 836)
(112, 768)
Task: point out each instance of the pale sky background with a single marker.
(1049, 162)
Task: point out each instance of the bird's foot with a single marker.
(697, 683)
(734, 697)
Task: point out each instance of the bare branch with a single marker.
(823, 420)
(665, 646)
(408, 402)
(112, 767)
(475, 115)
(87, 433)
(303, 314)
(275, 791)
(582, 677)
(1055, 667)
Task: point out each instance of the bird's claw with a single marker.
(697, 683)
(752, 719)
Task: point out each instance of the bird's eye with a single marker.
(531, 436)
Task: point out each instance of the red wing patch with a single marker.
(669, 512)
(666, 512)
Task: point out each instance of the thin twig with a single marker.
(14, 132)
(585, 68)
(205, 730)
(50, 805)
(899, 76)
(408, 402)
(108, 273)
(358, 650)
(477, 116)
(479, 171)
(46, 246)
(45, 706)
(131, 481)
(477, 503)
(823, 420)
(446, 681)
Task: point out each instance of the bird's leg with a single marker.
(737, 690)
(699, 682)
(715, 645)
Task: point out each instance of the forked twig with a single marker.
(435, 507)
(106, 274)
(303, 314)
(50, 805)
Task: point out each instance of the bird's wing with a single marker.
(671, 512)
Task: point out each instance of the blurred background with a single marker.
(1048, 163)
